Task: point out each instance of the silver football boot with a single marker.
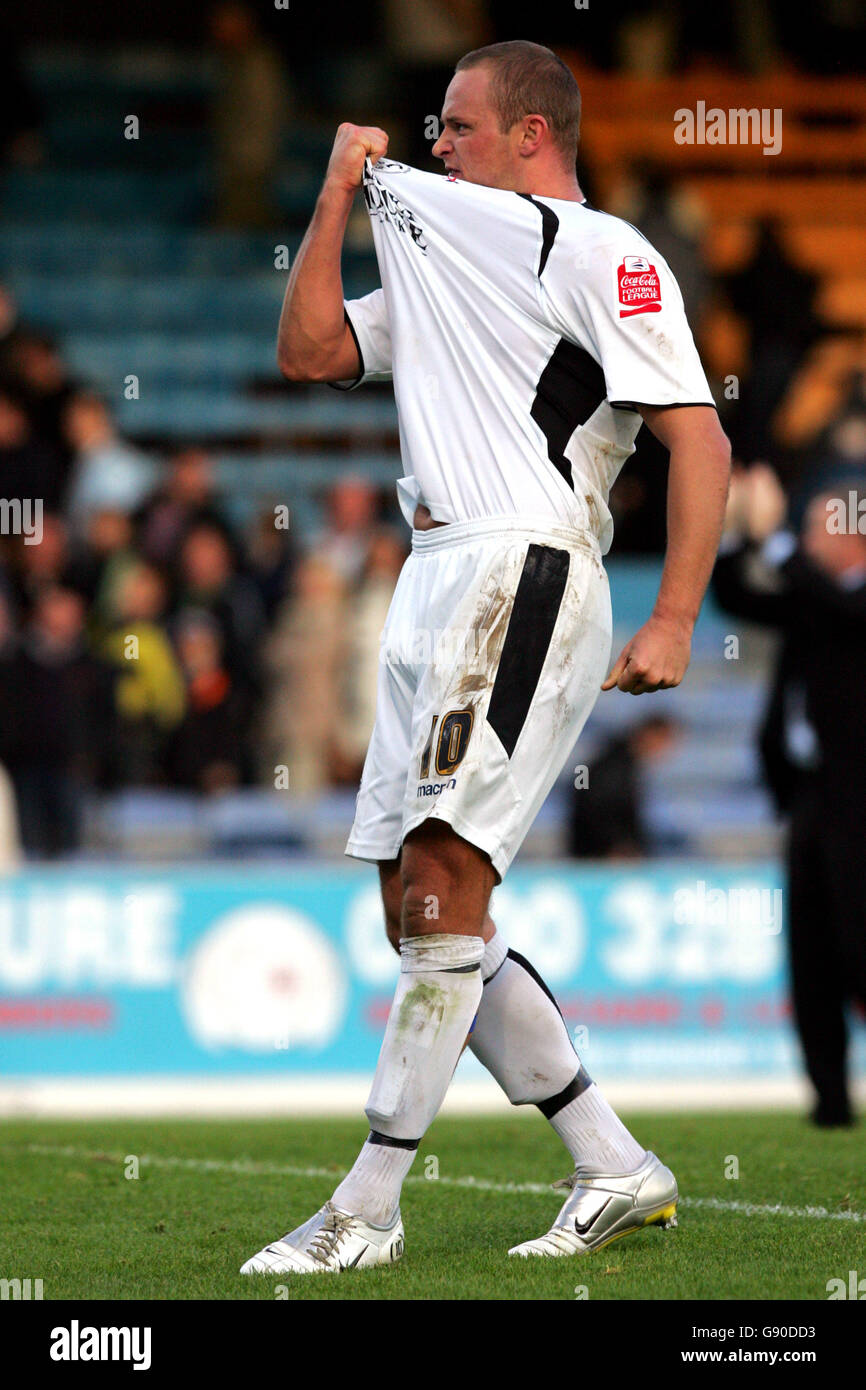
(601, 1209)
(330, 1242)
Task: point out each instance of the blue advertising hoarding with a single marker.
(121, 972)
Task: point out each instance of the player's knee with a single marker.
(428, 891)
(446, 882)
(423, 911)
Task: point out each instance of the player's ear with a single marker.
(535, 128)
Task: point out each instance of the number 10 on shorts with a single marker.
(455, 729)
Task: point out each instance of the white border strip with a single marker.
(199, 1097)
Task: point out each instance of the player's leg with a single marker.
(445, 885)
(332, 1239)
(617, 1186)
(521, 1038)
(529, 688)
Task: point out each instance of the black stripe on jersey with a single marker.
(656, 405)
(569, 391)
(549, 228)
(350, 385)
(530, 628)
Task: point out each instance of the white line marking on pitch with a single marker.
(253, 1169)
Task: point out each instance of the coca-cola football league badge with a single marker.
(639, 288)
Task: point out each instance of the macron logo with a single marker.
(434, 788)
(77, 1343)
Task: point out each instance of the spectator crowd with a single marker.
(148, 641)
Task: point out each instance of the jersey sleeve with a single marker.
(628, 303)
(368, 321)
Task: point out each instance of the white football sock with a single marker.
(595, 1136)
(372, 1188)
(521, 1038)
(519, 1035)
(434, 1004)
(495, 951)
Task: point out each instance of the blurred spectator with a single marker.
(831, 42)
(57, 696)
(304, 659)
(149, 688)
(270, 557)
(607, 817)
(647, 41)
(35, 370)
(102, 557)
(368, 608)
(187, 494)
(776, 299)
(250, 109)
(108, 473)
(42, 566)
(352, 509)
(8, 317)
(841, 445)
(638, 500)
(812, 589)
(208, 749)
(209, 578)
(425, 38)
(20, 112)
(29, 467)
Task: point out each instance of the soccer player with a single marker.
(529, 336)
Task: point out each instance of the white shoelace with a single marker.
(335, 1225)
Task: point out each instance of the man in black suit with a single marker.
(812, 588)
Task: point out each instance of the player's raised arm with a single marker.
(658, 655)
(314, 342)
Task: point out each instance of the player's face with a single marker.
(472, 145)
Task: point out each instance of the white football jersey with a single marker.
(520, 332)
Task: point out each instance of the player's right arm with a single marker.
(314, 342)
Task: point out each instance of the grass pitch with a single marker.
(210, 1193)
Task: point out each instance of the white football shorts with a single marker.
(496, 643)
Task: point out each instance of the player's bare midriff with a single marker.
(423, 521)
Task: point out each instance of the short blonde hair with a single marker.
(528, 79)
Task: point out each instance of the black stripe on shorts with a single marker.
(530, 628)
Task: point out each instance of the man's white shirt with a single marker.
(520, 333)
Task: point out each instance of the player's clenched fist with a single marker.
(352, 145)
(656, 658)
